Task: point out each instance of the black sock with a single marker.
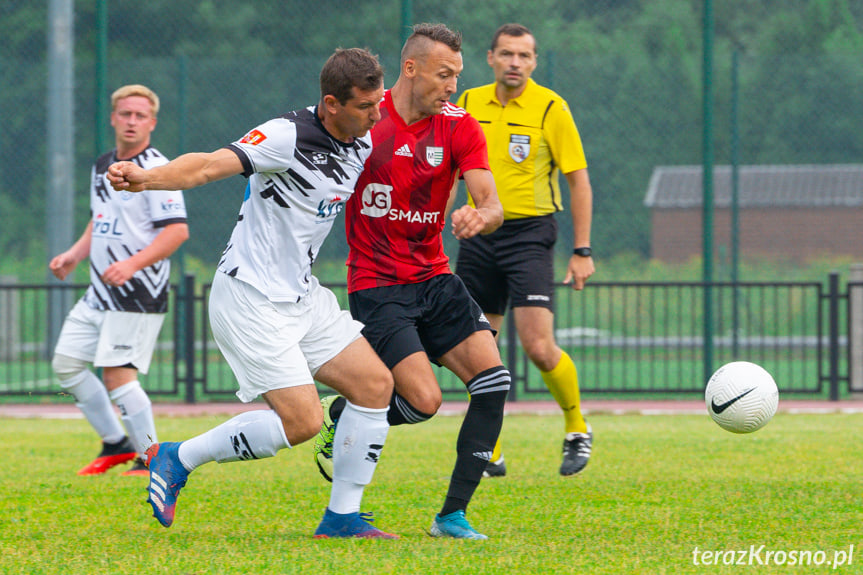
(403, 412)
(479, 432)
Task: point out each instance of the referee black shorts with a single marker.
(515, 265)
(432, 316)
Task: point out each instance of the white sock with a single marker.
(136, 412)
(357, 445)
(92, 399)
(250, 435)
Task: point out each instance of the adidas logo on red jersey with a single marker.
(404, 151)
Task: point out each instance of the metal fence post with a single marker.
(833, 335)
(10, 328)
(60, 168)
(188, 308)
(855, 328)
(512, 356)
(707, 185)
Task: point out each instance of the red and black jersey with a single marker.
(395, 218)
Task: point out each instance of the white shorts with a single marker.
(110, 338)
(272, 345)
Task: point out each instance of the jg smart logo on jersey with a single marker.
(376, 200)
(519, 147)
(377, 203)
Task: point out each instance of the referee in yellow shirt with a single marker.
(532, 138)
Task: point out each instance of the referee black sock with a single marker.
(479, 432)
(403, 412)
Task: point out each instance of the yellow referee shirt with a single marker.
(530, 141)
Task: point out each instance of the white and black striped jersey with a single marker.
(124, 223)
(299, 180)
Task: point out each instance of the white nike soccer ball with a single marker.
(741, 397)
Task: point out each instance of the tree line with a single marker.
(630, 69)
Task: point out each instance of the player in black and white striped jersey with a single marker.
(115, 325)
(279, 329)
(122, 225)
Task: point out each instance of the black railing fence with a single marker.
(625, 338)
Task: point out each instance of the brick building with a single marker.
(794, 212)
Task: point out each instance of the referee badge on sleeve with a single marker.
(519, 147)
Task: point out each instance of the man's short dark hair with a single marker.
(511, 30)
(430, 32)
(348, 68)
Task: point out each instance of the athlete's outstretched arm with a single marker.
(488, 214)
(184, 172)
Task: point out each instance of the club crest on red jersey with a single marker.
(434, 155)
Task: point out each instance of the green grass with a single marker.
(657, 487)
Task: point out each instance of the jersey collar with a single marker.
(517, 100)
(400, 122)
(323, 129)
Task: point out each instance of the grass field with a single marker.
(660, 491)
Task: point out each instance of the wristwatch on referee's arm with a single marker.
(583, 252)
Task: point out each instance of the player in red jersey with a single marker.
(399, 280)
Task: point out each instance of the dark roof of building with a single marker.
(827, 185)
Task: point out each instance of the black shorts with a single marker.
(432, 316)
(514, 264)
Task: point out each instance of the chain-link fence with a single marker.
(631, 71)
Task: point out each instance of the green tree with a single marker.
(630, 69)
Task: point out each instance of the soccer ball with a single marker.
(741, 397)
